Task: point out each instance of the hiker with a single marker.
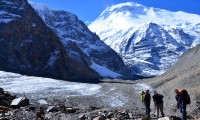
(182, 99)
(147, 102)
(142, 96)
(158, 101)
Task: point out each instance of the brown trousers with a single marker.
(159, 107)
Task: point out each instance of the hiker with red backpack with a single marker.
(183, 99)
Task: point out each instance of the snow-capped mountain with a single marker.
(150, 40)
(28, 46)
(80, 43)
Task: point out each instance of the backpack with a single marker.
(186, 96)
(142, 95)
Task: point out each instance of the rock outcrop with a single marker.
(28, 46)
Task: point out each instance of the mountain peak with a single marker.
(124, 5)
(142, 35)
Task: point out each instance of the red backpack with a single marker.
(186, 96)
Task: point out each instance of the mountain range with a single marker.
(134, 41)
(149, 40)
(32, 46)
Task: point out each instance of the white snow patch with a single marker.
(42, 102)
(39, 6)
(2, 12)
(7, 17)
(8, 14)
(103, 71)
(33, 24)
(6, 20)
(139, 60)
(53, 58)
(7, 2)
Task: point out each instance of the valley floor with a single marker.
(112, 94)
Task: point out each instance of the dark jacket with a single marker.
(158, 99)
(177, 97)
(181, 100)
(147, 99)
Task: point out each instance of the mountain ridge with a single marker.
(29, 47)
(88, 45)
(120, 24)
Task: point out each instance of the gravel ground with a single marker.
(108, 94)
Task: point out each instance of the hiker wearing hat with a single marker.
(183, 99)
(147, 102)
(158, 101)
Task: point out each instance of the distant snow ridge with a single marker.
(150, 40)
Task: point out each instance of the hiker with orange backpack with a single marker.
(183, 99)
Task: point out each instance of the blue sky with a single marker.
(89, 10)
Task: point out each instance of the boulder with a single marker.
(99, 118)
(71, 110)
(3, 109)
(1, 90)
(42, 102)
(175, 118)
(4, 118)
(19, 102)
(144, 118)
(40, 113)
(164, 118)
(52, 109)
(4, 101)
(110, 114)
(82, 117)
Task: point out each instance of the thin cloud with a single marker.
(87, 22)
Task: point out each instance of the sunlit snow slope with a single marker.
(150, 40)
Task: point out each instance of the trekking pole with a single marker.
(190, 106)
(175, 111)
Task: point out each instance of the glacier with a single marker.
(43, 90)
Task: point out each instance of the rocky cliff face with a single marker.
(184, 74)
(87, 46)
(29, 47)
(150, 50)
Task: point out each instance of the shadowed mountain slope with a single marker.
(184, 74)
(28, 46)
